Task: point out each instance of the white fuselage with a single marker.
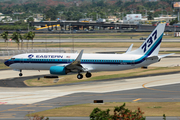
(91, 62)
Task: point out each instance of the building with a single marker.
(112, 19)
(5, 18)
(132, 19)
(38, 17)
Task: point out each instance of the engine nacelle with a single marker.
(59, 70)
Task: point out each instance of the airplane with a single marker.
(64, 63)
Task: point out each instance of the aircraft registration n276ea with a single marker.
(64, 63)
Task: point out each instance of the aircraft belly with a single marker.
(108, 67)
(148, 62)
(33, 66)
(17, 66)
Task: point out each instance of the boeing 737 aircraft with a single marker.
(63, 63)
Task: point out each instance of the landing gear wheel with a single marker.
(20, 74)
(79, 76)
(88, 74)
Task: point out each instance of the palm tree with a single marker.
(4, 35)
(21, 38)
(26, 36)
(29, 36)
(16, 37)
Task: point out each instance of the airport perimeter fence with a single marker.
(4, 55)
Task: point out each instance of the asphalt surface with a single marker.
(19, 81)
(159, 93)
(167, 93)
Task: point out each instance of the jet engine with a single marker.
(59, 70)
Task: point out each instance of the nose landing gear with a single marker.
(20, 74)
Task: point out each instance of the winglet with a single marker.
(78, 59)
(129, 49)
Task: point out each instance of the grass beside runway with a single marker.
(39, 45)
(2, 66)
(149, 109)
(123, 35)
(65, 79)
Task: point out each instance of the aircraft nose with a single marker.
(7, 63)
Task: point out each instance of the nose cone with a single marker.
(7, 63)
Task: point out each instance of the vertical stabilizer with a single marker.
(151, 45)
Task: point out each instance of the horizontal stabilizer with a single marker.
(162, 56)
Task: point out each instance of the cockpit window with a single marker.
(12, 58)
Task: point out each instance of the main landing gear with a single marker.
(20, 74)
(80, 76)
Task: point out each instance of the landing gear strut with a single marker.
(20, 74)
(79, 76)
(88, 74)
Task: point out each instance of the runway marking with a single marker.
(137, 99)
(14, 108)
(157, 86)
(7, 115)
(16, 96)
(29, 105)
(45, 106)
(22, 110)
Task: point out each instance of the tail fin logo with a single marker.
(149, 41)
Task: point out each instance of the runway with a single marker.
(17, 102)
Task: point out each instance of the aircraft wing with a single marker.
(76, 65)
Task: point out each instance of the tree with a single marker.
(30, 19)
(120, 113)
(4, 35)
(16, 36)
(119, 3)
(25, 36)
(51, 13)
(29, 36)
(98, 114)
(173, 21)
(150, 16)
